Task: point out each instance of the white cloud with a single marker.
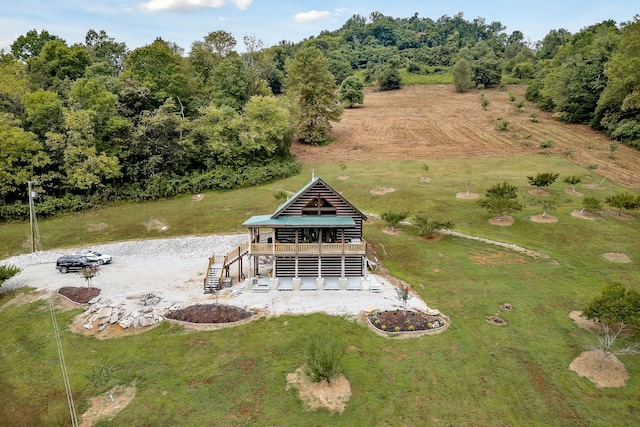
(311, 16)
(242, 4)
(162, 5)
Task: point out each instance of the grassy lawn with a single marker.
(475, 373)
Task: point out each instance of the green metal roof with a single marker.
(300, 221)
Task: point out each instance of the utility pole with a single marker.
(33, 222)
(31, 217)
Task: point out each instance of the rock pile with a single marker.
(135, 312)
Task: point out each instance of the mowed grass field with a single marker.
(475, 373)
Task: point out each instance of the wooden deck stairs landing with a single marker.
(218, 267)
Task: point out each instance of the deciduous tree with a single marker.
(14, 83)
(31, 44)
(230, 83)
(309, 79)
(22, 158)
(615, 305)
(351, 91)
(462, 76)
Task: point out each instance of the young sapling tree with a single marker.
(591, 204)
(393, 218)
(616, 309)
(425, 169)
(622, 201)
(430, 228)
(543, 180)
(343, 167)
(573, 180)
(88, 273)
(403, 295)
(501, 199)
(323, 359)
(546, 205)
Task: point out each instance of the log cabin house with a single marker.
(317, 234)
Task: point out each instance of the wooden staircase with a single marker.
(213, 281)
(219, 267)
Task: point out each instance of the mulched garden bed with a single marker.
(79, 295)
(209, 313)
(397, 321)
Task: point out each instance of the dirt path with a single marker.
(513, 247)
(434, 122)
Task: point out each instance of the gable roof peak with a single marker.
(314, 182)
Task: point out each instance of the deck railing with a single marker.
(284, 249)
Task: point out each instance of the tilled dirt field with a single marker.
(434, 122)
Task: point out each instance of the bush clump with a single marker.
(7, 271)
(324, 359)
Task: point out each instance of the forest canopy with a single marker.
(96, 122)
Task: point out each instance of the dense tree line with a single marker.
(96, 122)
(592, 77)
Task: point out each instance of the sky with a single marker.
(139, 22)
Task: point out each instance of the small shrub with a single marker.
(512, 96)
(519, 104)
(100, 375)
(8, 271)
(502, 124)
(484, 101)
(534, 118)
(414, 68)
(324, 359)
(592, 166)
(429, 227)
(546, 143)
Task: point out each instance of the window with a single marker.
(319, 206)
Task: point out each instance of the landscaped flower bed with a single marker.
(80, 295)
(405, 321)
(209, 313)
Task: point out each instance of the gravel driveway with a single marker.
(174, 270)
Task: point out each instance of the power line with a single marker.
(63, 365)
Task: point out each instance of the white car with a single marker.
(98, 257)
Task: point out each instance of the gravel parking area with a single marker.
(174, 270)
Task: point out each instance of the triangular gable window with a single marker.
(319, 206)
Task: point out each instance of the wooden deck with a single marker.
(291, 249)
